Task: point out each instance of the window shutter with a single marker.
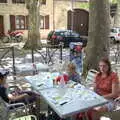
(12, 22)
(26, 22)
(43, 2)
(18, 1)
(3, 1)
(47, 22)
(69, 14)
(1, 25)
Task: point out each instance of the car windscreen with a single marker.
(114, 30)
(71, 34)
(60, 33)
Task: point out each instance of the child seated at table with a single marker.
(71, 74)
(21, 96)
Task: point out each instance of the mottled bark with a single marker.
(98, 38)
(33, 7)
(113, 1)
(117, 15)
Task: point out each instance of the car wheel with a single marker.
(19, 38)
(113, 40)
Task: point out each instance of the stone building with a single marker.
(54, 15)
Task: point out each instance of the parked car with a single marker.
(65, 36)
(115, 34)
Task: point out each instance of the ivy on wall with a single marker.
(84, 6)
(114, 1)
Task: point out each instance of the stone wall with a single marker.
(58, 19)
(61, 9)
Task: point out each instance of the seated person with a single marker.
(106, 85)
(23, 96)
(72, 74)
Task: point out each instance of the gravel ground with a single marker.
(24, 56)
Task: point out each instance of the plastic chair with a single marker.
(28, 117)
(10, 108)
(90, 78)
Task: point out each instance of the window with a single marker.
(44, 22)
(43, 2)
(3, 1)
(18, 1)
(18, 22)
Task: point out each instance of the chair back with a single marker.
(28, 117)
(117, 104)
(3, 110)
(6, 109)
(91, 76)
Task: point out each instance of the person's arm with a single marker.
(115, 87)
(18, 97)
(77, 77)
(114, 93)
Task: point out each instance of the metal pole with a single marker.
(13, 56)
(32, 51)
(61, 48)
(72, 15)
(46, 54)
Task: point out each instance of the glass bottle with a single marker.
(62, 82)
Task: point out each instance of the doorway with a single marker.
(80, 21)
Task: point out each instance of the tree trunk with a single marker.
(33, 41)
(117, 15)
(98, 38)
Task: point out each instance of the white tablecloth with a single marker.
(71, 99)
(42, 80)
(28, 67)
(68, 101)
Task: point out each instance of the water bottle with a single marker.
(62, 88)
(62, 82)
(49, 82)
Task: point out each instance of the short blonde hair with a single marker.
(72, 66)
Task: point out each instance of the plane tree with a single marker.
(98, 35)
(33, 7)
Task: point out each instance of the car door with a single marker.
(71, 36)
(67, 38)
(75, 37)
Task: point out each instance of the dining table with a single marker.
(67, 100)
